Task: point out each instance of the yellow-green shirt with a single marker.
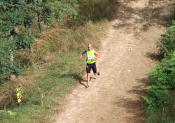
(90, 55)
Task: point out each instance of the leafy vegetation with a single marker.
(167, 44)
(47, 52)
(6, 66)
(22, 14)
(160, 98)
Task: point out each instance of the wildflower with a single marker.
(19, 93)
(11, 113)
(19, 100)
(42, 96)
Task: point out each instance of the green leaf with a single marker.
(173, 22)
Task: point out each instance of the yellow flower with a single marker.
(19, 100)
(4, 7)
(18, 94)
(42, 96)
(9, 112)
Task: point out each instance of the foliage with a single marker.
(167, 43)
(94, 11)
(24, 41)
(54, 78)
(6, 66)
(23, 13)
(49, 10)
(12, 14)
(55, 69)
(160, 99)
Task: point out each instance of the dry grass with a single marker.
(7, 97)
(54, 70)
(46, 51)
(59, 41)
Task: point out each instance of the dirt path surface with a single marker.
(127, 53)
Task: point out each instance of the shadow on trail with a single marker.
(134, 106)
(129, 19)
(154, 56)
(94, 11)
(162, 14)
(77, 78)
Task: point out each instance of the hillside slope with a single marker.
(127, 53)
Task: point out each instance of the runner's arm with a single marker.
(97, 55)
(82, 54)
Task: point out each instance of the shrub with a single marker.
(7, 66)
(159, 102)
(167, 43)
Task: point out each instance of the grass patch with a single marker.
(53, 80)
(52, 66)
(54, 73)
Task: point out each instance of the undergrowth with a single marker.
(51, 67)
(160, 98)
(56, 68)
(52, 81)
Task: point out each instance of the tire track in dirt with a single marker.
(127, 53)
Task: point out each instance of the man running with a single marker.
(91, 56)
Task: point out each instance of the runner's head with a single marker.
(89, 46)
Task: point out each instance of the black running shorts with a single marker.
(93, 66)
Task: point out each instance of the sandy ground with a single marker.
(127, 53)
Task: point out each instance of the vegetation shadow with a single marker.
(76, 77)
(94, 11)
(92, 78)
(154, 56)
(1, 82)
(147, 16)
(133, 106)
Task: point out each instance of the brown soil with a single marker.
(127, 53)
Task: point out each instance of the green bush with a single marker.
(167, 43)
(6, 65)
(160, 99)
(25, 41)
(159, 102)
(54, 69)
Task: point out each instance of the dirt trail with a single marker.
(126, 55)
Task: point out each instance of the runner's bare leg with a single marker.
(88, 78)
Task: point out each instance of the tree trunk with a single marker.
(30, 31)
(31, 49)
(16, 29)
(65, 19)
(12, 77)
(40, 23)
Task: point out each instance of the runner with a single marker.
(91, 56)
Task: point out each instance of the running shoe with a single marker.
(87, 86)
(98, 71)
